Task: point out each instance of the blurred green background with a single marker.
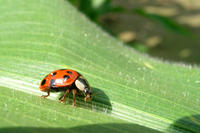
(167, 29)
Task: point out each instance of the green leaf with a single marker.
(134, 92)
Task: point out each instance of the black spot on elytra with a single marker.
(66, 77)
(69, 72)
(52, 82)
(53, 74)
(43, 81)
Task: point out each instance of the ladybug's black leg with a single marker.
(74, 97)
(48, 93)
(61, 97)
(64, 96)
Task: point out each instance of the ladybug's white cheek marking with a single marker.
(79, 85)
(58, 81)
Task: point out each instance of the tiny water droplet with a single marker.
(151, 84)
(197, 99)
(85, 34)
(52, 34)
(197, 82)
(184, 94)
(120, 73)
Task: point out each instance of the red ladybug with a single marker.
(65, 80)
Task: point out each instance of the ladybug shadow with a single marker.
(99, 102)
(187, 124)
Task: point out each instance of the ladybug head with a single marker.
(82, 84)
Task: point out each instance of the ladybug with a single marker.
(66, 80)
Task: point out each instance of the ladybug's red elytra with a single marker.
(65, 80)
